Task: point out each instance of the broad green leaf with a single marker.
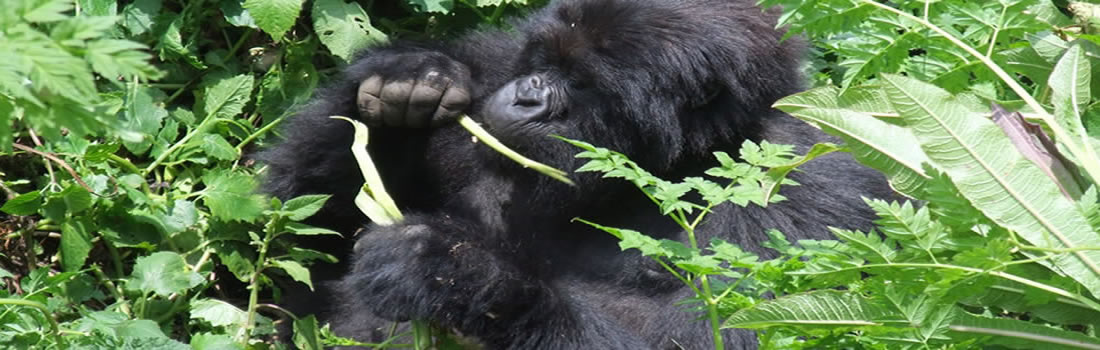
(236, 15)
(275, 17)
(1071, 93)
(307, 335)
(162, 273)
(207, 341)
(226, 97)
(891, 149)
(98, 7)
(217, 147)
(144, 118)
(1018, 334)
(76, 243)
(300, 208)
(182, 216)
(295, 270)
(24, 204)
(987, 169)
(437, 6)
(344, 27)
(817, 309)
(139, 16)
(218, 313)
(230, 195)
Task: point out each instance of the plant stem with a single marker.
(168, 152)
(254, 284)
(55, 330)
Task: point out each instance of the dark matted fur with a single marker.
(488, 248)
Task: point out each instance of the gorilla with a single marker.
(489, 249)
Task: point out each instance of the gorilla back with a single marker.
(488, 249)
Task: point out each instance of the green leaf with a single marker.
(76, 243)
(162, 273)
(437, 6)
(24, 204)
(207, 341)
(144, 118)
(300, 208)
(301, 229)
(236, 15)
(817, 309)
(230, 195)
(114, 58)
(226, 97)
(274, 16)
(344, 28)
(138, 16)
(216, 146)
(45, 11)
(295, 270)
(888, 148)
(988, 170)
(218, 313)
(307, 336)
(1018, 334)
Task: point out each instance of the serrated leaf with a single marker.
(1018, 334)
(275, 17)
(45, 11)
(76, 243)
(301, 229)
(307, 336)
(817, 309)
(888, 148)
(113, 58)
(218, 313)
(162, 273)
(302, 207)
(230, 195)
(216, 146)
(143, 118)
(226, 97)
(344, 28)
(295, 270)
(138, 17)
(1007, 187)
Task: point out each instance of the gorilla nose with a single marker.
(531, 92)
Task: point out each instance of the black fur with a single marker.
(488, 248)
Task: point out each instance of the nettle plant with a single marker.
(1000, 245)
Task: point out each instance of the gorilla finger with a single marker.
(454, 101)
(422, 104)
(368, 101)
(395, 100)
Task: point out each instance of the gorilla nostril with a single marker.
(535, 82)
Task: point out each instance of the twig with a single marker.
(60, 162)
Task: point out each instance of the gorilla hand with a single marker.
(413, 90)
(428, 270)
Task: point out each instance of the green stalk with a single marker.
(254, 285)
(55, 330)
(496, 145)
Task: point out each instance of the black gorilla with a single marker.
(488, 248)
